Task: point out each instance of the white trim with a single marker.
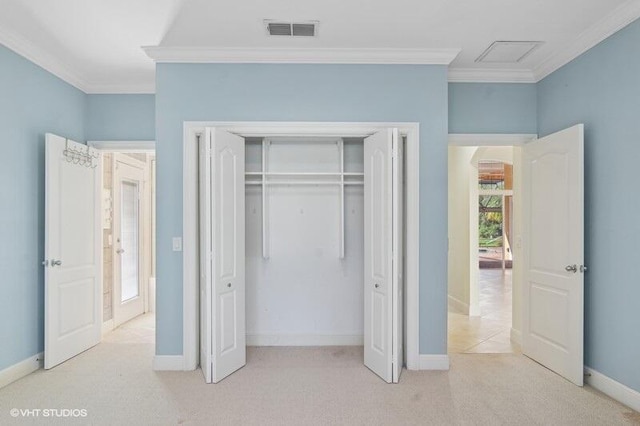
(610, 24)
(616, 390)
(491, 75)
(190, 245)
(107, 326)
(42, 58)
(21, 369)
(459, 305)
(516, 336)
(25, 48)
(142, 88)
(304, 340)
(168, 363)
(434, 362)
(124, 146)
(490, 139)
(302, 55)
(190, 212)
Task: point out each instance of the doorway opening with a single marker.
(481, 254)
(192, 260)
(128, 246)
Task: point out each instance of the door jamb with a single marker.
(340, 129)
(118, 146)
(496, 140)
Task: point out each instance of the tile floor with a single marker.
(141, 329)
(490, 332)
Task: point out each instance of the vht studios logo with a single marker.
(48, 412)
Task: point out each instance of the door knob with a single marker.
(377, 285)
(571, 268)
(120, 251)
(56, 262)
(229, 285)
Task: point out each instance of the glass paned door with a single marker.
(129, 240)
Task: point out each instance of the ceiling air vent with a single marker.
(292, 29)
(508, 52)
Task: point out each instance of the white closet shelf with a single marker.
(297, 182)
(335, 174)
(266, 178)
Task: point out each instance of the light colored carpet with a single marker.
(305, 386)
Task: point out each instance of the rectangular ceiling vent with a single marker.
(508, 52)
(292, 29)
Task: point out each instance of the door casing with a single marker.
(273, 129)
(114, 147)
(516, 141)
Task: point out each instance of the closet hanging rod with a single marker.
(297, 182)
(337, 174)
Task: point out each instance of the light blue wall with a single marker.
(254, 92)
(602, 90)
(121, 117)
(492, 108)
(32, 103)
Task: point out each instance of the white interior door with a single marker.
(206, 351)
(553, 188)
(128, 288)
(383, 293)
(73, 285)
(225, 290)
(397, 284)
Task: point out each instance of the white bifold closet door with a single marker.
(72, 281)
(222, 256)
(383, 226)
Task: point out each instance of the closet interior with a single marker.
(304, 241)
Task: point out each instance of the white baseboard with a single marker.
(434, 362)
(107, 326)
(459, 305)
(168, 363)
(516, 336)
(614, 389)
(21, 369)
(304, 340)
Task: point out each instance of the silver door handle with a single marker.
(571, 268)
(377, 285)
(56, 262)
(120, 251)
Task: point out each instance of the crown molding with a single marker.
(147, 88)
(490, 75)
(302, 56)
(40, 57)
(622, 16)
(490, 139)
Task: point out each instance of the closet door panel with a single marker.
(378, 253)
(228, 253)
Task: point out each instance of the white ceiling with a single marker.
(96, 44)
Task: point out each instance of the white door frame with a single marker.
(497, 140)
(121, 146)
(272, 129)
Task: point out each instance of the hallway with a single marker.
(490, 332)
